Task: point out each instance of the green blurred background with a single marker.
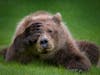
(82, 16)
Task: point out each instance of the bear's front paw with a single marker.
(77, 70)
(77, 66)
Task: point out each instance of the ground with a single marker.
(82, 18)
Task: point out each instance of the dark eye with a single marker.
(50, 31)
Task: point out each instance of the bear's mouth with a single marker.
(44, 52)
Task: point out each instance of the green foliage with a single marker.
(82, 17)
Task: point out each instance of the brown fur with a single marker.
(91, 51)
(64, 50)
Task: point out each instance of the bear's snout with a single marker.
(44, 43)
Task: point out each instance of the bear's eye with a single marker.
(50, 31)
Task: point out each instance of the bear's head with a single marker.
(43, 32)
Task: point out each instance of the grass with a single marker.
(39, 68)
(82, 17)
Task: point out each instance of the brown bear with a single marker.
(44, 36)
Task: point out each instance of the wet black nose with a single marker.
(44, 43)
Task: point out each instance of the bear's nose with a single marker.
(44, 43)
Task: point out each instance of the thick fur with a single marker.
(64, 49)
(91, 51)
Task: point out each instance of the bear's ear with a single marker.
(57, 18)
